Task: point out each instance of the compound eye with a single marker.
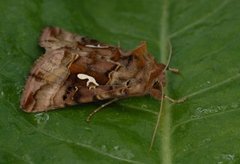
(156, 85)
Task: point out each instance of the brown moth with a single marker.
(76, 69)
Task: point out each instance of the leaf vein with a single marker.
(228, 80)
(77, 144)
(221, 6)
(204, 117)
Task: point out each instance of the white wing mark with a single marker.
(89, 78)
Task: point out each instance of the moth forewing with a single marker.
(76, 69)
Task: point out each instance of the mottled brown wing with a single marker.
(55, 38)
(47, 76)
(54, 80)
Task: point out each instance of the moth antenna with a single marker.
(173, 70)
(119, 44)
(162, 97)
(100, 108)
(158, 120)
(169, 56)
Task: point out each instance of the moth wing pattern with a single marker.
(54, 79)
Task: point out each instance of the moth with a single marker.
(77, 69)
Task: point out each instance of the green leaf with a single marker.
(204, 129)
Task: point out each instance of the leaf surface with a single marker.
(204, 129)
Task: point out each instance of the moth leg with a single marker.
(100, 108)
(175, 101)
(173, 70)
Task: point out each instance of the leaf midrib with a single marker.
(166, 152)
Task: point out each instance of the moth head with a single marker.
(157, 81)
